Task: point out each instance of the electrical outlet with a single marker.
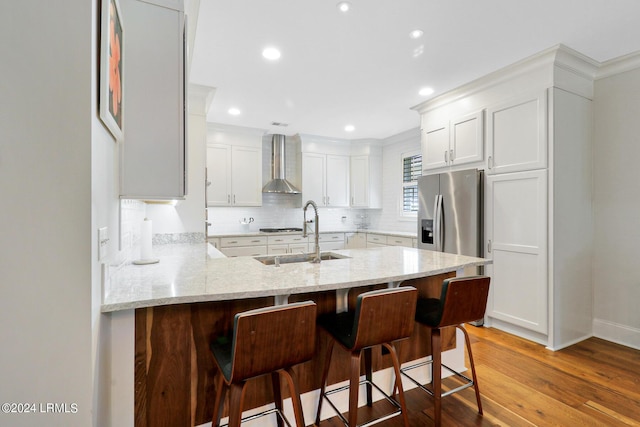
(103, 242)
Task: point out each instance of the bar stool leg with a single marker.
(398, 382)
(368, 375)
(473, 367)
(325, 374)
(236, 400)
(354, 385)
(292, 383)
(218, 403)
(436, 374)
(277, 395)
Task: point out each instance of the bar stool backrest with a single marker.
(272, 338)
(463, 299)
(383, 316)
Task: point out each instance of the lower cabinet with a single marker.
(287, 244)
(243, 246)
(328, 241)
(377, 240)
(516, 240)
(355, 240)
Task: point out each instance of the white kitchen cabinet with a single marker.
(517, 134)
(355, 240)
(243, 246)
(287, 244)
(457, 141)
(366, 181)
(435, 146)
(235, 175)
(376, 240)
(153, 152)
(538, 191)
(399, 241)
(516, 230)
(325, 179)
(328, 241)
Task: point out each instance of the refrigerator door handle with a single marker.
(438, 228)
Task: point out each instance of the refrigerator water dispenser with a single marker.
(427, 231)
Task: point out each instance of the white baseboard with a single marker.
(617, 333)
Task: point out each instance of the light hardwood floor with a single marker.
(592, 383)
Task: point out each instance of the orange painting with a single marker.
(111, 73)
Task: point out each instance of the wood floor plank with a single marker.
(592, 383)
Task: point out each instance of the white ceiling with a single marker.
(362, 68)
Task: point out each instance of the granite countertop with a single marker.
(190, 273)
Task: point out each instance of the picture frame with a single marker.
(112, 68)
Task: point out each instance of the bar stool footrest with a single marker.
(263, 414)
(390, 399)
(469, 381)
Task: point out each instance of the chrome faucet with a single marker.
(316, 259)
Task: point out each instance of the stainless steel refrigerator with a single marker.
(450, 210)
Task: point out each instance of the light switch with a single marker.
(103, 241)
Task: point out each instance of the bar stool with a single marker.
(380, 318)
(462, 300)
(265, 340)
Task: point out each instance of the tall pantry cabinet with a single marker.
(537, 207)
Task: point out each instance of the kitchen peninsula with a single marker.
(189, 299)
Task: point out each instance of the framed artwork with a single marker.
(111, 67)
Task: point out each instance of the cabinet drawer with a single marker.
(244, 251)
(331, 237)
(287, 239)
(377, 238)
(399, 241)
(226, 242)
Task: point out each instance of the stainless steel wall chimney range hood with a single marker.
(278, 183)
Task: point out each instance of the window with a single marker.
(411, 171)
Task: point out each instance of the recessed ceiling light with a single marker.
(426, 91)
(271, 53)
(416, 34)
(233, 111)
(349, 128)
(344, 6)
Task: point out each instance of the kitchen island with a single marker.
(189, 299)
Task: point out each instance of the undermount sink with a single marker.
(289, 259)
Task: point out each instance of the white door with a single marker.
(246, 176)
(337, 177)
(435, 147)
(219, 175)
(516, 234)
(313, 178)
(517, 134)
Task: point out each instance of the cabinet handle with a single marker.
(234, 199)
(328, 203)
(228, 199)
(490, 162)
(451, 157)
(446, 156)
(233, 242)
(352, 200)
(489, 246)
(324, 200)
(255, 241)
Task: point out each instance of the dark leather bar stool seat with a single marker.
(265, 341)
(462, 300)
(380, 318)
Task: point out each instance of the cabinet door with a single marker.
(219, 175)
(313, 178)
(516, 233)
(435, 147)
(246, 176)
(278, 249)
(337, 181)
(355, 240)
(298, 248)
(360, 181)
(153, 161)
(517, 134)
(467, 139)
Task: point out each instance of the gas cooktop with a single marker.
(280, 230)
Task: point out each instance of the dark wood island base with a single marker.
(174, 368)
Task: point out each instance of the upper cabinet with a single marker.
(325, 179)
(517, 134)
(366, 181)
(234, 175)
(153, 152)
(455, 141)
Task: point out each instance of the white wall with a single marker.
(46, 256)
(389, 218)
(617, 208)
